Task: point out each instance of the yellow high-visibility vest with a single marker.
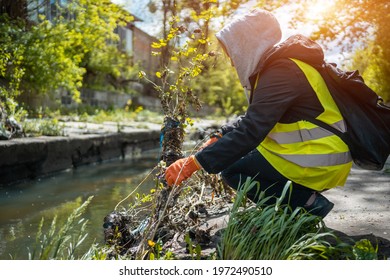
(306, 153)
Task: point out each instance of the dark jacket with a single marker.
(283, 95)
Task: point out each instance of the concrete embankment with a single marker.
(32, 157)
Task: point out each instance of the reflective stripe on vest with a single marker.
(306, 153)
(305, 134)
(318, 160)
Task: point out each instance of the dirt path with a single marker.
(362, 207)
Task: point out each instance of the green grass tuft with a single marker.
(276, 232)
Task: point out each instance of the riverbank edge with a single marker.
(34, 157)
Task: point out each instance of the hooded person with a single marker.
(274, 143)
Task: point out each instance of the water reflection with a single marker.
(22, 206)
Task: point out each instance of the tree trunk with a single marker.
(15, 9)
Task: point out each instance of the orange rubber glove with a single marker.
(212, 140)
(181, 170)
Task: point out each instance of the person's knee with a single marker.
(225, 174)
(230, 178)
(226, 177)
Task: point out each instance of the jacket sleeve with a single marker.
(278, 88)
(231, 125)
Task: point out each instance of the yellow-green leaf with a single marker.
(156, 45)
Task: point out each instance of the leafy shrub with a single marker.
(47, 127)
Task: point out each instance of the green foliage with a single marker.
(220, 88)
(363, 250)
(93, 33)
(191, 57)
(66, 49)
(186, 63)
(96, 252)
(275, 232)
(61, 243)
(11, 72)
(47, 127)
(371, 63)
(191, 73)
(351, 25)
(195, 251)
(155, 250)
(47, 61)
(364, 24)
(97, 115)
(76, 47)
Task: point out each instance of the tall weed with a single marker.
(276, 232)
(63, 242)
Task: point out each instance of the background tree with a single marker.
(15, 9)
(363, 24)
(349, 25)
(77, 46)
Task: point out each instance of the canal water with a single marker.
(22, 206)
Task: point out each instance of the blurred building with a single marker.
(137, 44)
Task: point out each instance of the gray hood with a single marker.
(247, 38)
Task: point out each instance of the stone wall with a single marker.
(29, 158)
